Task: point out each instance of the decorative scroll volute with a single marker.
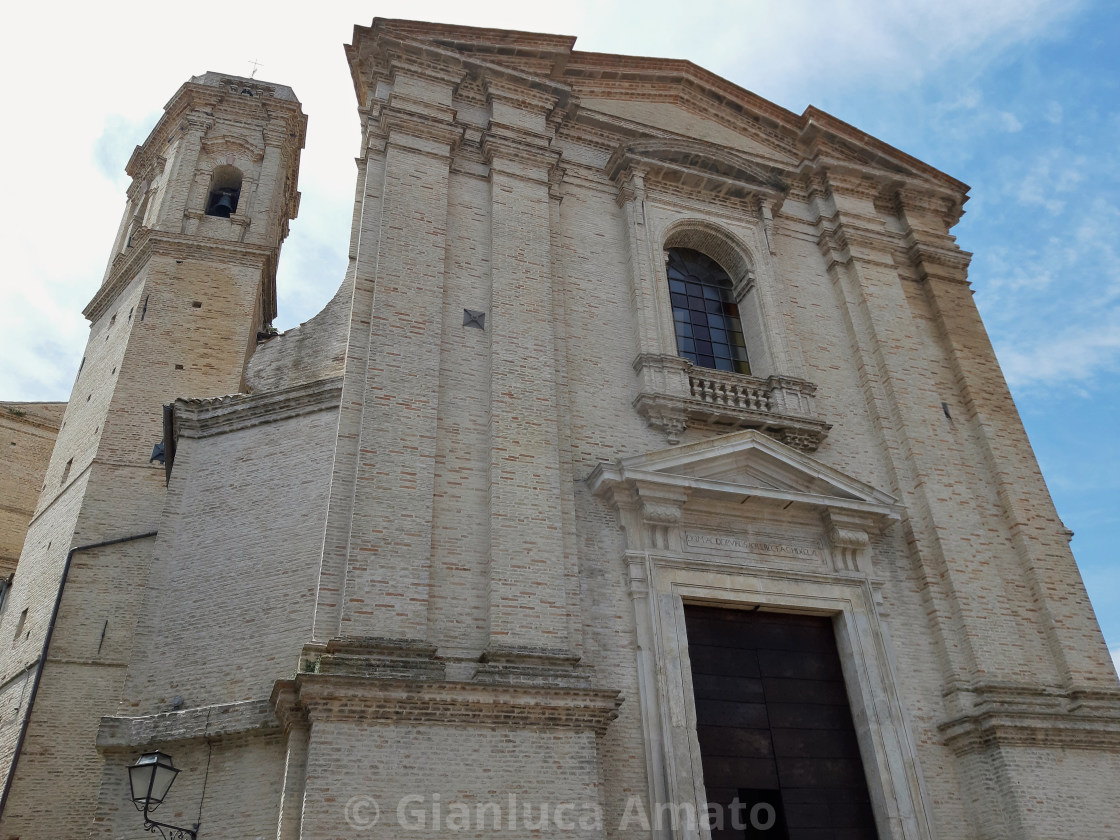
(650, 515)
(661, 512)
(850, 542)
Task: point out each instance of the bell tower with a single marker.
(189, 286)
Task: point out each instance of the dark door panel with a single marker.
(779, 750)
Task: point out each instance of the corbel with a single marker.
(850, 541)
(662, 510)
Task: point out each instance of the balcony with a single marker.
(677, 395)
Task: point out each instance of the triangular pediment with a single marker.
(694, 163)
(746, 464)
(645, 116)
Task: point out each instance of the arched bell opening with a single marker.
(225, 191)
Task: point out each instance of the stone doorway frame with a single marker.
(655, 496)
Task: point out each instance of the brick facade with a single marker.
(28, 432)
(412, 577)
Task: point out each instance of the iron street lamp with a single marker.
(150, 778)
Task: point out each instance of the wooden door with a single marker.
(775, 729)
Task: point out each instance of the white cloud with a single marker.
(1047, 178)
(890, 44)
(1009, 122)
(113, 147)
(1080, 353)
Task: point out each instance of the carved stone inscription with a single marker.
(757, 543)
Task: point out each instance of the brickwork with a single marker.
(177, 314)
(254, 572)
(28, 432)
(535, 767)
(416, 558)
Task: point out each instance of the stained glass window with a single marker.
(705, 314)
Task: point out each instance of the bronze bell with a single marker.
(223, 207)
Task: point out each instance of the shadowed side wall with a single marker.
(231, 588)
(27, 435)
(228, 608)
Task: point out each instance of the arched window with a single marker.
(705, 315)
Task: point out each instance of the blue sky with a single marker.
(1018, 98)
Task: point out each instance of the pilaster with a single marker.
(344, 493)
(393, 368)
(529, 613)
(183, 157)
(858, 254)
(663, 374)
(647, 269)
(1037, 534)
(974, 591)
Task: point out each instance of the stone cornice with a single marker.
(404, 119)
(991, 714)
(943, 203)
(698, 166)
(147, 243)
(532, 666)
(812, 135)
(842, 239)
(821, 132)
(731, 204)
(604, 131)
(376, 657)
(205, 417)
(119, 733)
(871, 180)
(941, 262)
(212, 144)
(519, 89)
(993, 728)
(194, 99)
(599, 73)
(27, 418)
(518, 151)
(376, 55)
(548, 65)
(383, 49)
(333, 697)
(644, 482)
(500, 46)
(405, 58)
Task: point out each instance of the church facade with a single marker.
(650, 474)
